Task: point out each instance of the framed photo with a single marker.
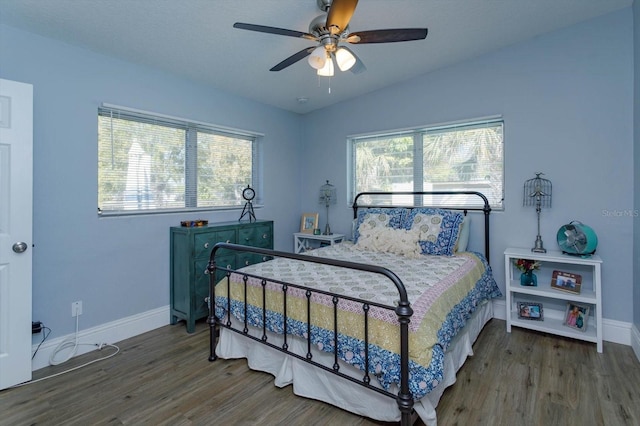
(308, 223)
(566, 281)
(530, 311)
(576, 316)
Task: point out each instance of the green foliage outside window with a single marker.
(149, 164)
(461, 157)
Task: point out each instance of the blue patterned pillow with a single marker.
(439, 229)
(380, 216)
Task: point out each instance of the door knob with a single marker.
(20, 247)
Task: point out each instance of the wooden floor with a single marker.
(164, 378)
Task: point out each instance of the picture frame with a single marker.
(566, 281)
(309, 222)
(530, 311)
(576, 316)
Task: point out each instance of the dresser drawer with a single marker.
(190, 252)
(202, 277)
(203, 243)
(256, 236)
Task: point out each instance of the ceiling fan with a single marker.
(330, 30)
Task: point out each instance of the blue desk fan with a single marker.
(577, 239)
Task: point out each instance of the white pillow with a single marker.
(379, 216)
(388, 240)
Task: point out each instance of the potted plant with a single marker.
(526, 267)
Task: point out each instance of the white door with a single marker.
(16, 199)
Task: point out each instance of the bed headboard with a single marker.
(417, 199)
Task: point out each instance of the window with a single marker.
(149, 164)
(457, 157)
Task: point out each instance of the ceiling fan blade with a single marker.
(340, 14)
(274, 30)
(293, 59)
(387, 36)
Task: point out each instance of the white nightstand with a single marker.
(303, 242)
(554, 301)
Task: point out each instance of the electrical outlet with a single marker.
(76, 308)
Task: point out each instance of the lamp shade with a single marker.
(327, 194)
(537, 192)
(327, 69)
(345, 59)
(327, 197)
(318, 58)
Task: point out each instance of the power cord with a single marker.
(100, 347)
(74, 343)
(45, 334)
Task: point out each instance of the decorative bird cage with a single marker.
(537, 192)
(327, 197)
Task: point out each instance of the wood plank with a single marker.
(164, 378)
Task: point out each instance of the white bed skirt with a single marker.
(312, 382)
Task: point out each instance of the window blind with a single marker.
(149, 163)
(465, 156)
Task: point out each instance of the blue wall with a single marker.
(566, 97)
(636, 162)
(567, 102)
(119, 267)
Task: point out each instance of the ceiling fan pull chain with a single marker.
(320, 82)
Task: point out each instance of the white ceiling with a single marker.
(195, 38)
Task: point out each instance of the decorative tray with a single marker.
(193, 223)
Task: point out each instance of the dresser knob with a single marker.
(228, 241)
(264, 236)
(206, 245)
(206, 271)
(246, 262)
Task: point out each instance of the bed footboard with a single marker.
(403, 312)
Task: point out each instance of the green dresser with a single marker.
(190, 251)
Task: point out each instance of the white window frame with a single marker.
(192, 127)
(496, 202)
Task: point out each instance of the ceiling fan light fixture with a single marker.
(318, 58)
(327, 69)
(345, 59)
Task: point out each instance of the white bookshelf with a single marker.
(554, 301)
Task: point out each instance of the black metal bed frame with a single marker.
(403, 309)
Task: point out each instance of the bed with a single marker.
(377, 326)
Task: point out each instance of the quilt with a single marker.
(444, 291)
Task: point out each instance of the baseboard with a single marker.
(616, 331)
(612, 330)
(635, 340)
(111, 332)
(499, 309)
